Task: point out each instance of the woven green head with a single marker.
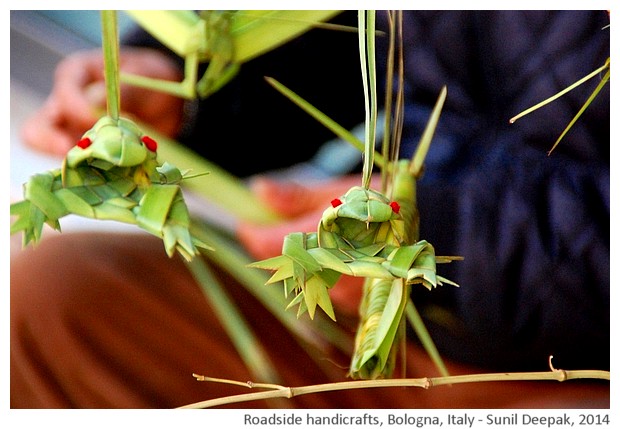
(119, 142)
(361, 217)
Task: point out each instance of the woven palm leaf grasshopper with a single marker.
(112, 173)
(366, 233)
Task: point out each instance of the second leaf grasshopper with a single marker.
(371, 234)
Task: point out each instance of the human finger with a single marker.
(265, 241)
(291, 199)
(79, 91)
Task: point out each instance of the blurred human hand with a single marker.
(78, 97)
(301, 208)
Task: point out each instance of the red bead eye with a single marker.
(336, 202)
(395, 207)
(84, 143)
(149, 143)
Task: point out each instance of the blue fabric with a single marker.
(533, 229)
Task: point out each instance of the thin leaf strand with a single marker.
(561, 93)
(111, 62)
(583, 109)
